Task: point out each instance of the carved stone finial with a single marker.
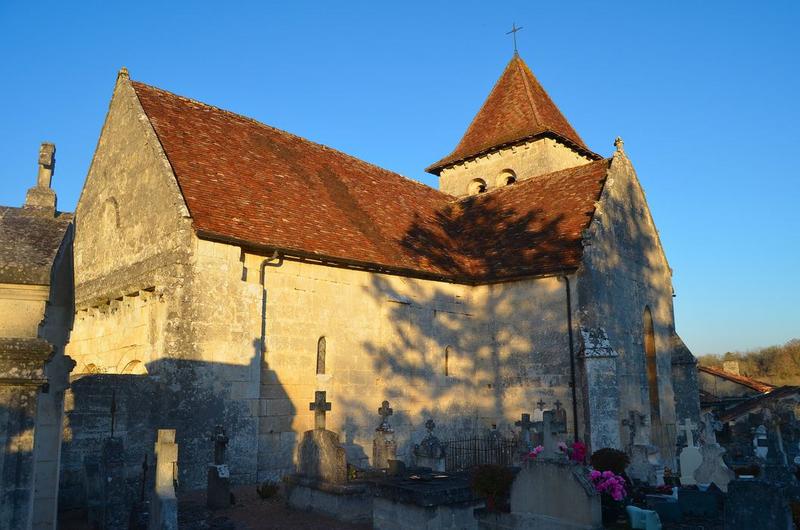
(619, 144)
(123, 72)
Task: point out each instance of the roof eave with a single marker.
(437, 167)
(339, 262)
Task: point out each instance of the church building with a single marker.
(225, 270)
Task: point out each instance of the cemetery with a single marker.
(537, 478)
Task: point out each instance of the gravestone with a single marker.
(164, 503)
(320, 483)
(756, 504)
(690, 458)
(559, 418)
(320, 455)
(643, 519)
(218, 491)
(633, 422)
(760, 442)
(430, 452)
(550, 491)
(645, 464)
(712, 469)
(115, 493)
(550, 438)
(525, 425)
(384, 446)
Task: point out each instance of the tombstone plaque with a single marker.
(384, 446)
(430, 452)
(218, 492)
(712, 469)
(690, 458)
(525, 425)
(320, 455)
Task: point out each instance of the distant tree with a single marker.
(778, 365)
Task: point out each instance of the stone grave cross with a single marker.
(687, 427)
(549, 443)
(525, 424)
(710, 426)
(385, 411)
(540, 404)
(220, 440)
(690, 457)
(430, 425)
(634, 420)
(320, 407)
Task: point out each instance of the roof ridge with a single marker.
(290, 134)
(528, 91)
(734, 377)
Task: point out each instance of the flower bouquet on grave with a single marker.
(533, 453)
(611, 488)
(576, 451)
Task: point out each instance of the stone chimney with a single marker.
(732, 367)
(41, 197)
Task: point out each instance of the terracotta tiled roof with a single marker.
(739, 379)
(256, 186)
(517, 108)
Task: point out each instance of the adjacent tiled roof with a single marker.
(517, 108)
(29, 241)
(758, 402)
(256, 186)
(759, 386)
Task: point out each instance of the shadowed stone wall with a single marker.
(624, 272)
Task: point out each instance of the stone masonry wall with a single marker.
(537, 157)
(624, 271)
(470, 357)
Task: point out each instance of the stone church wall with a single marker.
(526, 160)
(624, 272)
(469, 357)
(147, 296)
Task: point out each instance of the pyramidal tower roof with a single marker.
(517, 108)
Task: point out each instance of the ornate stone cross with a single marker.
(710, 426)
(430, 425)
(220, 440)
(385, 411)
(320, 407)
(540, 404)
(525, 424)
(687, 427)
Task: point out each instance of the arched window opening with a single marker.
(652, 366)
(506, 178)
(477, 186)
(321, 350)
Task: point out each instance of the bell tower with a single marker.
(518, 134)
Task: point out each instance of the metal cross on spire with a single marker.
(513, 33)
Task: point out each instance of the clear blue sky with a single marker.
(705, 95)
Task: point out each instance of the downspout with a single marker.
(572, 383)
(262, 278)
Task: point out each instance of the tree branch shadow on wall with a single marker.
(469, 358)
